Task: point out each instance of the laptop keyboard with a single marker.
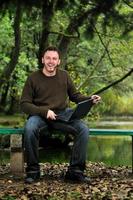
(65, 116)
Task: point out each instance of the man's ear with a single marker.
(42, 61)
(59, 62)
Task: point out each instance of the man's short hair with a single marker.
(52, 48)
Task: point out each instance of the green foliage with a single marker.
(113, 104)
(8, 197)
(89, 64)
(6, 40)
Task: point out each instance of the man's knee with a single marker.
(30, 130)
(84, 131)
(85, 134)
(31, 127)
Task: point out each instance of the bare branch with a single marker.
(104, 46)
(92, 72)
(127, 3)
(115, 82)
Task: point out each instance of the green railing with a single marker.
(103, 132)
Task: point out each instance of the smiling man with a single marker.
(50, 60)
(45, 95)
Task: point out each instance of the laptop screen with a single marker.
(79, 112)
(82, 109)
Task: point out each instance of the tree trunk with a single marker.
(6, 74)
(13, 96)
(72, 29)
(47, 14)
(4, 93)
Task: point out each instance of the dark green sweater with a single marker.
(42, 93)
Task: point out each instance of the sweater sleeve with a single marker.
(73, 94)
(27, 101)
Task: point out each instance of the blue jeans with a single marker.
(31, 138)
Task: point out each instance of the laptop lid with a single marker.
(82, 109)
(79, 112)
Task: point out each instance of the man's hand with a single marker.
(51, 115)
(96, 98)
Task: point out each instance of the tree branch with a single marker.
(65, 35)
(115, 82)
(95, 67)
(15, 50)
(127, 3)
(104, 46)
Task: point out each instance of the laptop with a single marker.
(79, 112)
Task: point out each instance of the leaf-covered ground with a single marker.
(106, 183)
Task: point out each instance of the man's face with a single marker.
(51, 61)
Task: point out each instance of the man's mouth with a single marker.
(50, 66)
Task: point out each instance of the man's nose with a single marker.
(51, 60)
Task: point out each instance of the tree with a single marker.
(76, 27)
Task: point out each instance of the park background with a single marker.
(96, 42)
(95, 38)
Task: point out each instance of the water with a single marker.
(111, 150)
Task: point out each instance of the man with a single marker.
(45, 94)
